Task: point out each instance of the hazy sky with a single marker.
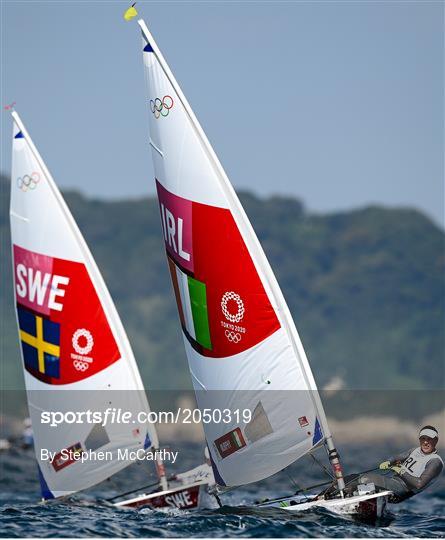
(338, 103)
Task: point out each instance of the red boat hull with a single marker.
(184, 498)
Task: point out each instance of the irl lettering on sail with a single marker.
(176, 219)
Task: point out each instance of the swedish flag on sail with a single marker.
(40, 339)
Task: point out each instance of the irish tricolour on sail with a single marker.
(242, 346)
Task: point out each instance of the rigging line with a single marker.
(322, 466)
(358, 477)
(364, 472)
(302, 490)
(292, 480)
(312, 487)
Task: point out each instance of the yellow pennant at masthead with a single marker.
(130, 13)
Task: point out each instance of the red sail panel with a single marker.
(64, 333)
(205, 242)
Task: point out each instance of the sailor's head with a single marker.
(207, 455)
(428, 438)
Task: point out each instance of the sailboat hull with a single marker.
(369, 507)
(184, 498)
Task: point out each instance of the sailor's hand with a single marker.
(384, 465)
(396, 469)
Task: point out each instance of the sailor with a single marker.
(408, 473)
(201, 473)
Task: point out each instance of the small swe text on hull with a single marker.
(189, 497)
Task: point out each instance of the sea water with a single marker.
(88, 514)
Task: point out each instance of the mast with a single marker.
(267, 277)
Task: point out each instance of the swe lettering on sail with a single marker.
(43, 289)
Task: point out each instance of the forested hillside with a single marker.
(366, 288)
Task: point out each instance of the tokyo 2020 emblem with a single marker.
(83, 344)
(231, 296)
(79, 336)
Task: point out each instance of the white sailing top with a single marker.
(418, 470)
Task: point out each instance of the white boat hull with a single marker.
(368, 506)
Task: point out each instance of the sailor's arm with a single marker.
(400, 458)
(432, 470)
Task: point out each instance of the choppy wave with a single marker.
(89, 515)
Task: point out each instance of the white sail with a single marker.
(242, 346)
(75, 352)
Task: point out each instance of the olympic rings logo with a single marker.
(236, 298)
(28, 181)
(161, 107)
(83, 350)
(80, 366)
(234, 337)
